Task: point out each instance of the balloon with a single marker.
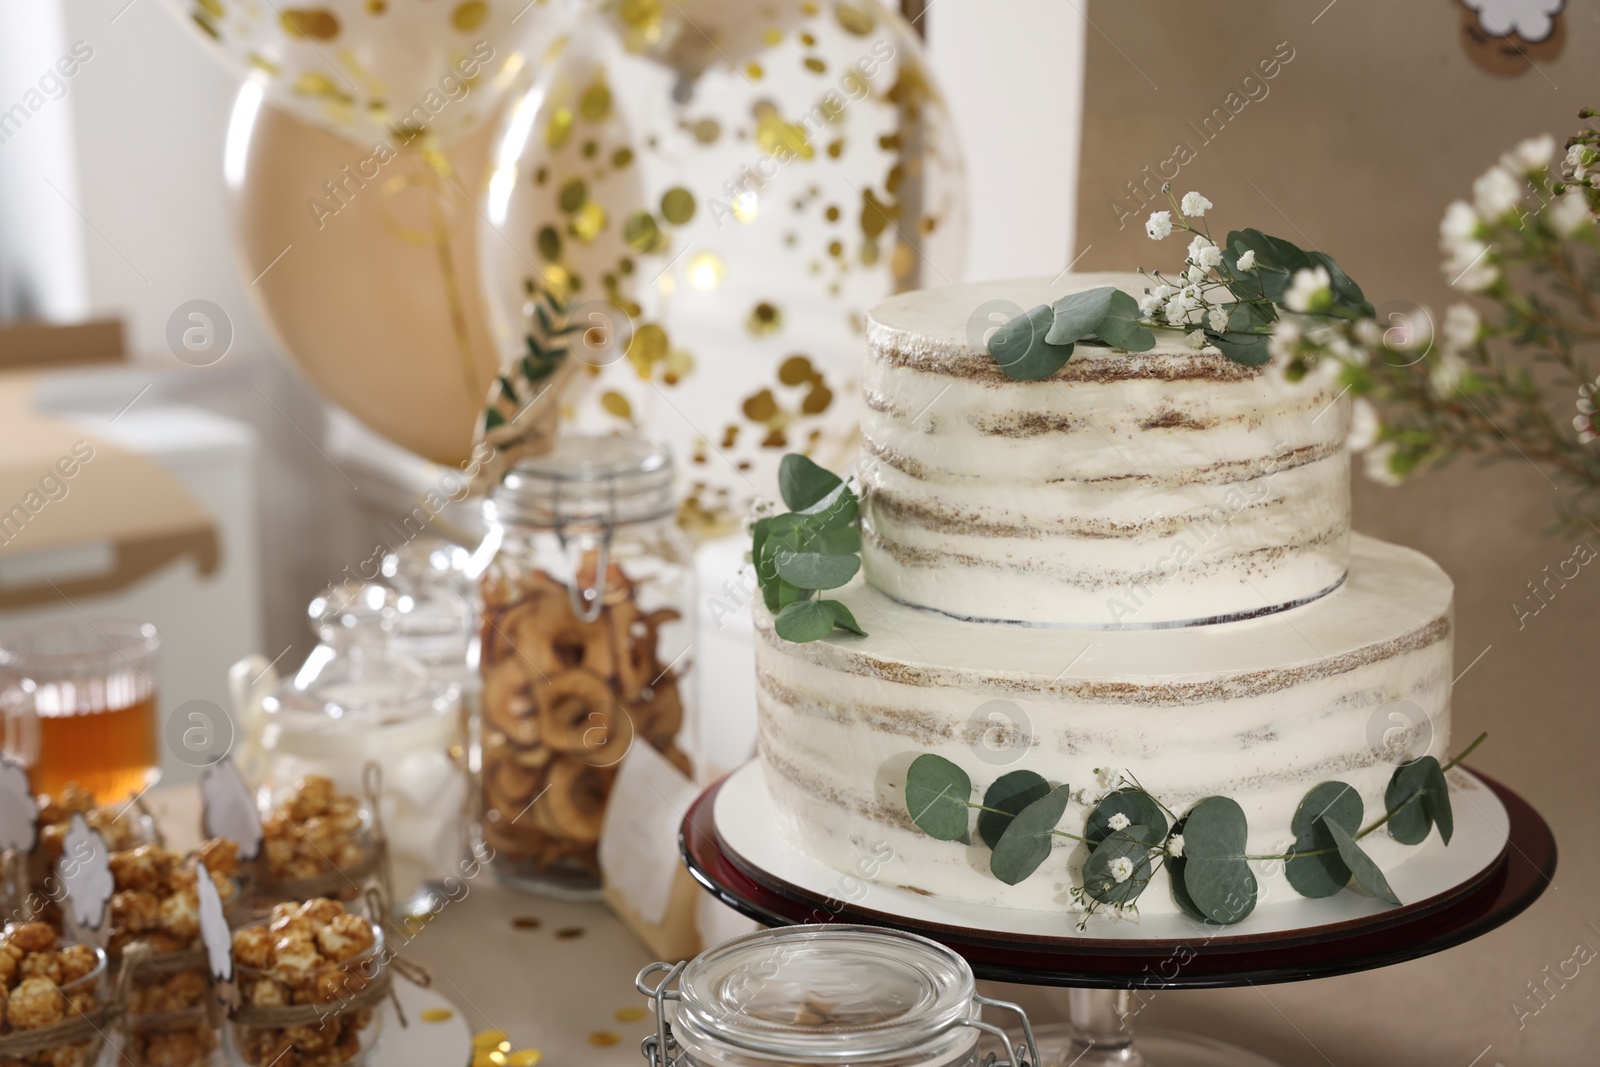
(364, 263)
(732, 224)
(379, 69)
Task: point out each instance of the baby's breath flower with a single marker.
(1446, 374)
(1194, 205)
(1159, 225)
(1195, 339)
(1496, 192)
(1379, 464)
(1569, 213)
(1118, 821)
(1461, 327)
(1175, 846)
(1248, 260)
(1121, 869)
(1460, 223)
(1218, 319)
(1364, 426)
(1530, 156)
(1309, 290)
(1284, 343)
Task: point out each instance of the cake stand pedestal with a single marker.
(1102, 973)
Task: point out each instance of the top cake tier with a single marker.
(1158, 488)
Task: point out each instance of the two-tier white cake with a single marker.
(1143, 563)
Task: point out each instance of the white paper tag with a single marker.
(85, 870)
(214, 932)
(19, 812)
(228, 808)
(639, 841)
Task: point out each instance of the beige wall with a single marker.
(1377, 122)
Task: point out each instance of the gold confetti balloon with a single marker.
(380, 69)
(718, 191)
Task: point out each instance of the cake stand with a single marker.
(1102, 972)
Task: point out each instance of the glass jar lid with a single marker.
(828, 994)
(587, 479)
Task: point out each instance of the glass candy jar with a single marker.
(829, 994)
(587, 625)
(57, 997)
(354, 702)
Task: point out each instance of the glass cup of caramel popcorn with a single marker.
(155, 909)
(51, 995)
(169, 1014)
(311, 979)
(317, 841)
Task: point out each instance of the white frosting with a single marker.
(1259, 710)
(1127, 490)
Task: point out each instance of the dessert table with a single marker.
(561, 985)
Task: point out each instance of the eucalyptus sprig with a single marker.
(814, 547)
(1229, 296)
(523, 382)
(1130, 835)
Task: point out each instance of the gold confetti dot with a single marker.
(595, 104)
(854, 19)
(587, 224)
(760, 407)
(764, 318)
(631, 1014)
(310, 23)
(605, 1038)
(677, 205)
(559, 127)
(836, 149)
(796, 370)
(484, 1040)
(706, 270)
(832, 213)
(437, 1015)
(818, 400)
(527, 922)
(616, 404)
(706, 131)
(815, 65)
(772, 35)
(641, 232)
(469, 15)
(377, 7)
(549, 243)
(808, 39)
(212, 7)
(835, 249)
(310, 83)
(261, 62)
(573, 195)
(524, 1057)
(753, 71)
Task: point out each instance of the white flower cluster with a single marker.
(1469, 262)
(1121, 869)
(1118, 821)
(1584, 422)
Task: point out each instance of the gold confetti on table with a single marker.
(631, 1014)
(568, 933)
(487, 1040)
(527, 922)
(524, 1057)
(437, 1015)
(604, 1038)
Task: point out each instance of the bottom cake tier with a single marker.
(1259, 710)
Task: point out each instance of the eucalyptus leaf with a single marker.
(1130, 844)
(843, 619)
(815, 570)
(1250, 349)
(804, 620)
(1254, 315)
(1410, 820)
(1346, 293)
(1175, 868)
(1367, 874)
(1026, 843)
(1121, 326)
(937, 792)
(1019, 347)
(1216, 875)
(1009, 794)
(1078, 315)
(1137, 806)
(1436, 800)
(803, 483)
(1324, 873)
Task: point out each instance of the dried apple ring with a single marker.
(553, 639)
(579, 715)
(509, 705)
(575, 805)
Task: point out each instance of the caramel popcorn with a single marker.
(43, 984)
(304, 954)
(156, 905)
(121, 828)
(316, 830)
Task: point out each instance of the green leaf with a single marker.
(492, 419)
(1216, 875)
(1249, 349)
(936, 796)
(1325, 874)
(1009, 794)
(1140, 809)
(815, 570)
(1021, 351)
(1121, 326)
(1026, 843)
(1366, 872)
(1436, 800)
(1244, 317)
(1346, 293)
(803, 482)
(1410, 820)
(781, 537)
(1131, 844)
(1078, 315)
(1175, 873)
(843, 619)
(804, 620)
